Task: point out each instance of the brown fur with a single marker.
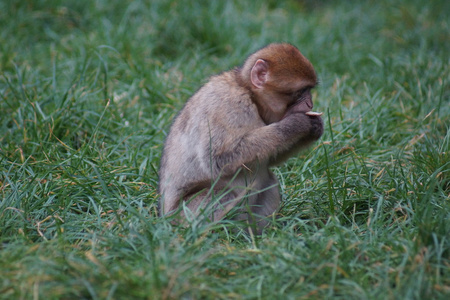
(230, 132)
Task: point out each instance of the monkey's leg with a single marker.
(259, 207)
(210, 204)
(268, 203)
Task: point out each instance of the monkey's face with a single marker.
(278, 102)
(302, 103)
(281, 82)
(302, 100)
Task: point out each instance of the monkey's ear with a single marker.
(258, 74)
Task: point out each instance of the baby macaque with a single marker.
(217, 155)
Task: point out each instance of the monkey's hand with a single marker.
(316, 130)
(299, 131)
(307, 126)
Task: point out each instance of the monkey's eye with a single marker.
(300, 93)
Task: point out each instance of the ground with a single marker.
(87, 94)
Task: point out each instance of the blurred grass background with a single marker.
(88, 90)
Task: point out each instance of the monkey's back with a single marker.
(206, 126)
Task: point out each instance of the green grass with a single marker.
(88, 90)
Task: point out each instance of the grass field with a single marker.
(88, 90)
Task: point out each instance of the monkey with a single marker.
(231, 131)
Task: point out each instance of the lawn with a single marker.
(88, 90)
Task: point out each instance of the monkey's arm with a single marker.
(302, 143)
(268, 143)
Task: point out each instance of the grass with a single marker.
(88, 90)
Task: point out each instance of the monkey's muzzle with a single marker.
(306, 106)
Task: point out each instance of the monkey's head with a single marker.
(279, 76)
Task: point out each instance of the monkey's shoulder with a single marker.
(224, 94)
(221, 103)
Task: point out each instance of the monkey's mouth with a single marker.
(306, 106)
(308, 111)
